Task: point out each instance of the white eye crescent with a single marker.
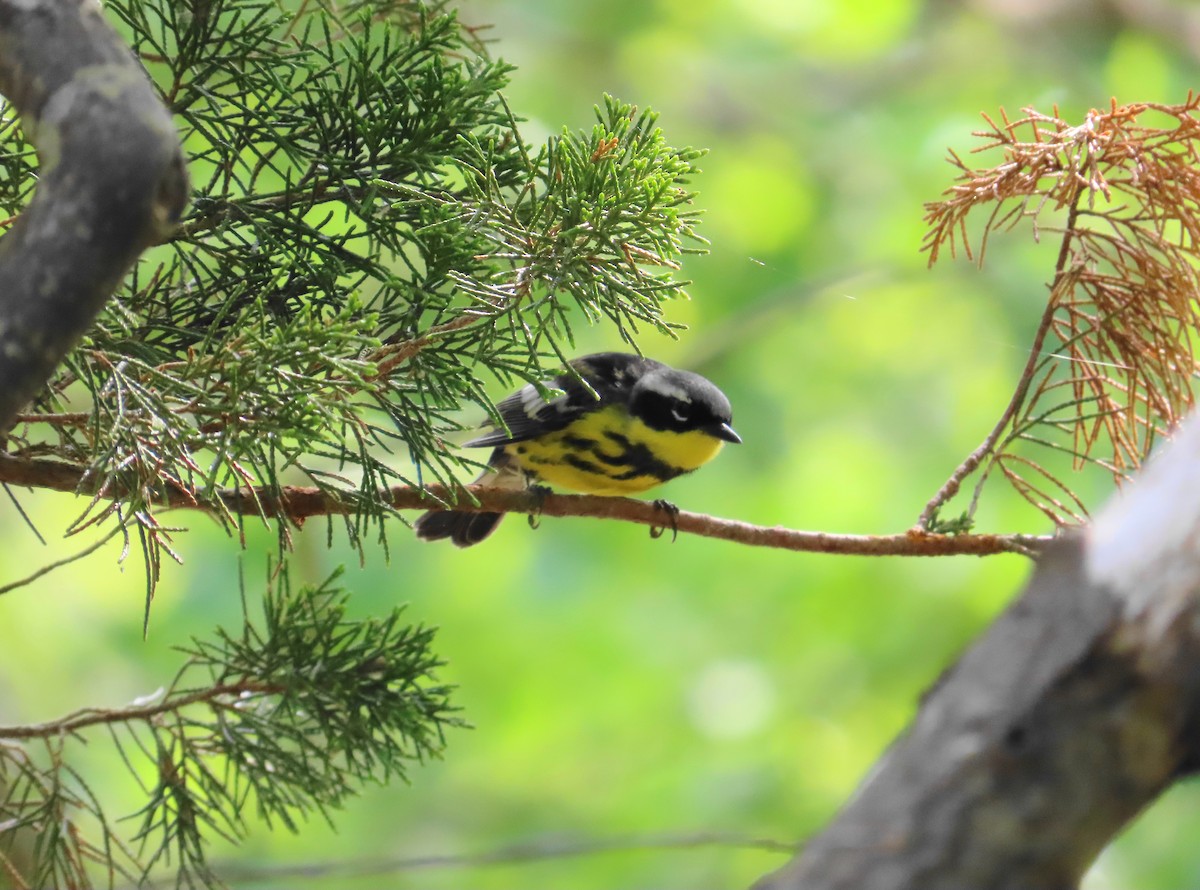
(681, 413)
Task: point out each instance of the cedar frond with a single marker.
(371, 242)
(1117, 330)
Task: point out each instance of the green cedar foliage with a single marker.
(288, 716)
(370, 242)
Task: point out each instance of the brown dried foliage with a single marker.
(1111, 364)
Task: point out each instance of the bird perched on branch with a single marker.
(622, 424)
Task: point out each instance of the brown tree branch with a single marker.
(171, 703)
(1075, 710)
(297, 503)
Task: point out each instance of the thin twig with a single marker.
(391, 357)
(296, 504)
(986, 448)
(86, 717)
(515, 854)
(47, 569)
(78, 418)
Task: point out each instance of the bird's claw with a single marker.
(538, 494)
(672, 514)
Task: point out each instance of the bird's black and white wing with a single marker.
(527, 414)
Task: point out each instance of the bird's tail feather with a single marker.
(464, 527)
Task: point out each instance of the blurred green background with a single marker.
(623, 687)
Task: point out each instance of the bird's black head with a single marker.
(680, 401)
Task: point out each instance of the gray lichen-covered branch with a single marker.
(1076, 709)
(111, 180)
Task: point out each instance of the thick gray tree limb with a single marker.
(1077, 708)
(111, 181)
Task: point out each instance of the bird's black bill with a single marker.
(724, 431)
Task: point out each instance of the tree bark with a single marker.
(111, 182)
(1073, 712)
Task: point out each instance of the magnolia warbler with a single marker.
(623, 424)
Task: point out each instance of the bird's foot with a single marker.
(538, 494)
(672, 513)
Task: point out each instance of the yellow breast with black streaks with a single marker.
(609, 452)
